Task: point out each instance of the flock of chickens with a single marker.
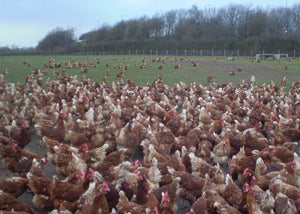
(124, 148)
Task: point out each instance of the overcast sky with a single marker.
(23, 23)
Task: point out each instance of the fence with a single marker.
(211, 52)
(186, 52)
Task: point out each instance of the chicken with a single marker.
(230, 191)
(258, 198)
(61, 210)
(177, 66)
(125, 206)
(37, 167)
(17, 159)
(15, 186)
(289, 190)
(153, 173)
(100, 204)
(214, 200)
(67, 161)
(9, 202)
(111, 194)
(264, 180)
(283, 204)
(53, 129)
(143, 188)
(221, 152)
(88, 196)
(126, 188)
(297, 169)
(39, 184)
(8, 153)
(284, 153)
(20, 133)
(95, 155)
(170, 192)
(151, 151)
(49, 144)
(77, 139)
(190, 185)
(111, 160)
(130, 136)
(42, 202)
(165, 206)
(240, 162)
(67, 193)
(201, 166)
(199, 206)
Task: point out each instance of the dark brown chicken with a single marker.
(9, 203)
(15, 186)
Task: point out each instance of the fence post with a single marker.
(279, 51)
(135, 51)
(224, 53)
(167, 52)
(176, 52)
(184, 52)
(238, 53)
(294, 53)
(156, 52)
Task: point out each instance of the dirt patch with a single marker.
(220, 71)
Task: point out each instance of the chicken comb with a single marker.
(166, 198)
(92, 171)
(26, 124)
(137, 163)
(173, 112)
(64, 115)
(273, 148)
(273, 117)
(106, 186)
(85, 147)
(82, 174)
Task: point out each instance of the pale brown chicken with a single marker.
(54, 129)
(283, 204)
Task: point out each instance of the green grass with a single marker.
(265, 71)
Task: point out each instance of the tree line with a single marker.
(232, 27)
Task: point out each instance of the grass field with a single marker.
(18, 67)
